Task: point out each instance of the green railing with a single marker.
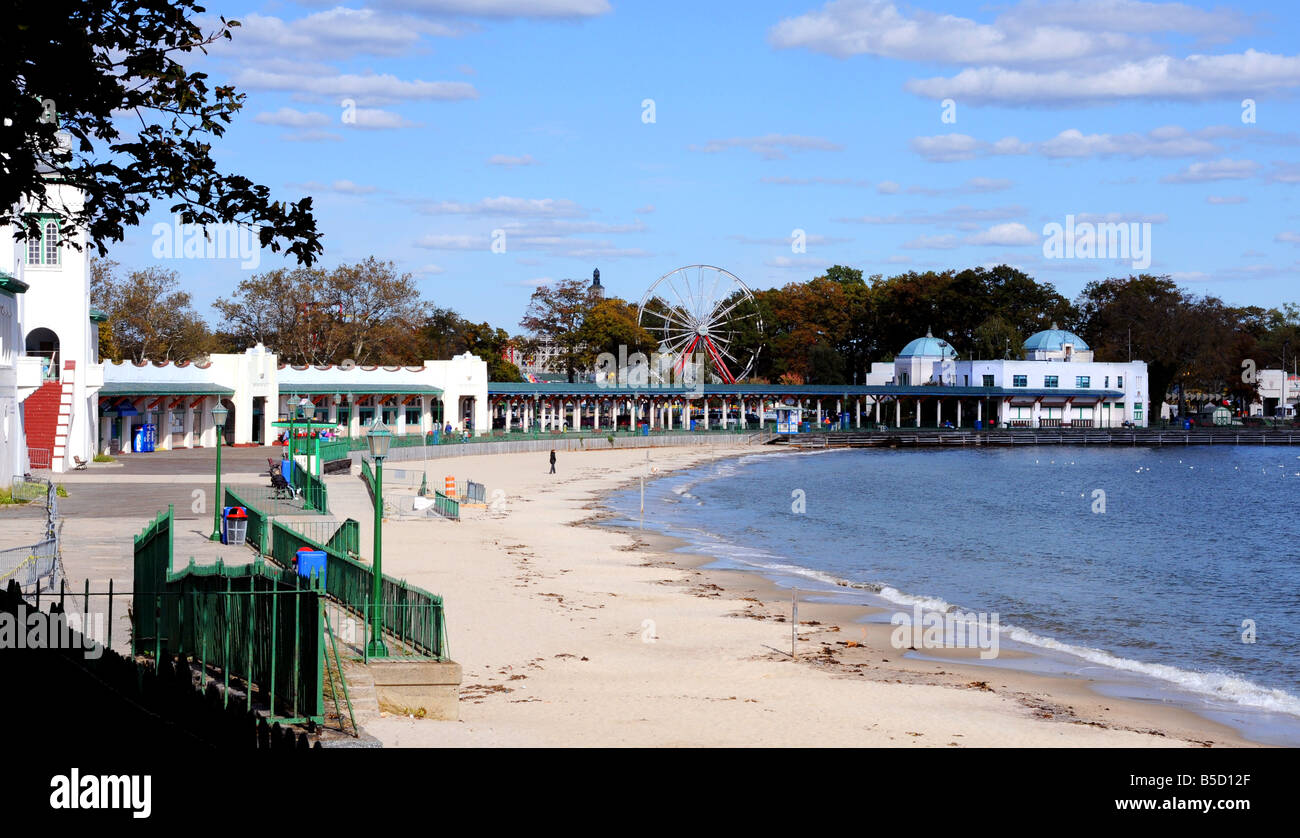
(335, 449)
(445, 506)
(414, 616)
(368, 475)
(255, 623)
(153, 562)
(312, 488)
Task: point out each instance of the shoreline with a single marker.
(835, 621)
(600, 654)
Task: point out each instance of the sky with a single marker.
(772, 139)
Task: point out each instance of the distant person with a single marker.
(552, 461)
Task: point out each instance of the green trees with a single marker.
(148, 316)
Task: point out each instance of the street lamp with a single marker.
(378, 439)
(219, 414)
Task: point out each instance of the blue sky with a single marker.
(769, 117)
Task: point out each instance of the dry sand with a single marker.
(550, 618)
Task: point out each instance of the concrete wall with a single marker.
(542, 446)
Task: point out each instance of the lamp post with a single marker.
(219, 414)
(378, 439)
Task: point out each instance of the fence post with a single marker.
(108, 642)
(275, 604)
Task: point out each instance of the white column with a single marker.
(401, 419)
(189, 426)
(1037, 411)
(857, 412)
(898, 412)
(105, 434)
(979, 411)
(959, 413)
(918, 411)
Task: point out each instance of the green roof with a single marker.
(122, 388)
(10, 285)
(362, 389)
(98, 316)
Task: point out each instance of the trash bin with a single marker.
(286, 471)
(645, 429)
(804, 427)
(979, 424)
(692, 424)
(308, 561)
(1187, 424)
(234, 524)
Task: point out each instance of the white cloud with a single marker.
(291, 118)
(1287, 237)
(949, 148)
(502, 8)
(342, 187)
(769, 146)
(784, 241)
(373, 119)
(1120, 218)
(510, 161)
(887, 187)
(960, 217)
(795, 262)
(454, 242)
(377, 88)
(1224, 169)
(946, 242)
(332, 34)
(505, 206)
(1169, 141)
(1006, 235)
(1225, 199)
(1164, 78)
(429, 270)
(645, 210)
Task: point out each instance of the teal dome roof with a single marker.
(928, 347)
(1053, 339)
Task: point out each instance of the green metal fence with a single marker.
(413, 615)
(312, 488)
(253, 623)
(153, 562)
(445, 506)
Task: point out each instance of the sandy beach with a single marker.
(572, 633)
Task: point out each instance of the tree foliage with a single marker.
(99, 100)
(149, 317)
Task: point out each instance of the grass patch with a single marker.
(7, 497)
(60, 491)
(102, 458)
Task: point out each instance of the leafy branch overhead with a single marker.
(101, 102)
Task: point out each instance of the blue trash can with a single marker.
(979, 424)
(692, 424)
(286, 471)
(645, 429)
(307, 562)
(234, 524)
(804, 427)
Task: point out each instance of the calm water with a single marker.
(1151, 594)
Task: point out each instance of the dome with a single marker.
(928, 347)
(1054, 340)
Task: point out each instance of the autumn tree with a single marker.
(149, 317)
(555, 314)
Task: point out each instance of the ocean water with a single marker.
(1149, 593)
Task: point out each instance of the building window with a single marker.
(988, 381)
(412, 416)
(1051, 381)
(1137, 412)
(1082, 382)
(1119, 381)
(1107, 385)
(34, 250)
(1119, 405)
(1020, 381)
(904, 379)
(51, 243)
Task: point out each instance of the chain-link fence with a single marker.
(34, 566)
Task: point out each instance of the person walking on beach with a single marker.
(552, 461)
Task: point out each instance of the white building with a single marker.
(1058, 383)
(1278, 393)
(49, 370)
(257, 391)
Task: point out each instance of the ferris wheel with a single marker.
(703, 310)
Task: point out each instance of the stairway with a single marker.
(60, 459)
(41, 417)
